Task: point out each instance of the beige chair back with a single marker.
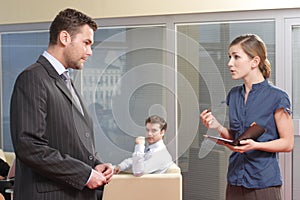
(167, 186)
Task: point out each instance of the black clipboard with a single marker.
(253, 132)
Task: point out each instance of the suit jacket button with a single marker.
(91, 157)
(87, 134)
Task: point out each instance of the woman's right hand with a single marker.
(208, 120)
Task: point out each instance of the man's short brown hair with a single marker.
(69, 20)
(155, 119)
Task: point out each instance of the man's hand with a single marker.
(101, 175)
(96, 180)
(106, 170)
(140, 140)
(117, 170)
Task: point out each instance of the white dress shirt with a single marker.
(155, 160)
(55, 63)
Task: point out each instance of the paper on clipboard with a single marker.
(216, 139)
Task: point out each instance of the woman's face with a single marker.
(240, 64)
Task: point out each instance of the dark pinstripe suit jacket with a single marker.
(53, 141)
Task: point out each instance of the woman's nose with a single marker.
(229, 64)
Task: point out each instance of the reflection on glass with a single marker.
(296, 71)
(296, 106)
(19, 50)
(208, 74)
(117, 89)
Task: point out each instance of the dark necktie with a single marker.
(65, 76)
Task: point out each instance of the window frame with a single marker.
(283, 74)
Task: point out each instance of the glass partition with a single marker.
(202, 61)
(295, 42)
(172, 68)
(19, 50)
(123, 83)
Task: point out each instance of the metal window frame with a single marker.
(282, 17)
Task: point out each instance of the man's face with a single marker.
(154, 133)
(80, 48)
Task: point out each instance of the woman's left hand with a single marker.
(245, 145)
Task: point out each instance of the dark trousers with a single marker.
(99, 192)
(239, 192)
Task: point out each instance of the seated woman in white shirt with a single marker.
(155, 159)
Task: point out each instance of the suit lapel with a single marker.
(80, 99)
(62, 86)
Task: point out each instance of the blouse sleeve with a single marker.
(284, 103)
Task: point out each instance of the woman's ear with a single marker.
(162, 133)
(255, 62)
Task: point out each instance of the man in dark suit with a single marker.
(52, 133)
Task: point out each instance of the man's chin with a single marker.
(78, 67)
(150, 140)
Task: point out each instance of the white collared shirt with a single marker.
(55, 63)
(155, 160)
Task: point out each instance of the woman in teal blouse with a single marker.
(253, 171)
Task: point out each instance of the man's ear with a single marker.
(162, 132)
(64, 38)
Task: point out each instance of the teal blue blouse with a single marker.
(255, 169)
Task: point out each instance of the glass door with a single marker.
(292, 73)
